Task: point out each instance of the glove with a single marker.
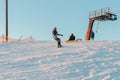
(61, 35)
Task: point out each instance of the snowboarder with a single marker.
(55, 34)
(72, 37)
(92, 35)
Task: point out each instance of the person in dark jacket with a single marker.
(72, 37)
(55, 36)
(92, 35)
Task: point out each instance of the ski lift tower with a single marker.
(101, 15)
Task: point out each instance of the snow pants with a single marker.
(58, 42)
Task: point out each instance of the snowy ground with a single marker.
(42, 60)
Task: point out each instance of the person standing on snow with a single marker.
(55, 34)
(92, 35)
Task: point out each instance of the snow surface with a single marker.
(42, 60)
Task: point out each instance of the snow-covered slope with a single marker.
(42, 60)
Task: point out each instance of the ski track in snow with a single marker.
(42, 60)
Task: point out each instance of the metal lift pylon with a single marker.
(101, 15)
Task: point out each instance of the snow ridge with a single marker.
(42, 60)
